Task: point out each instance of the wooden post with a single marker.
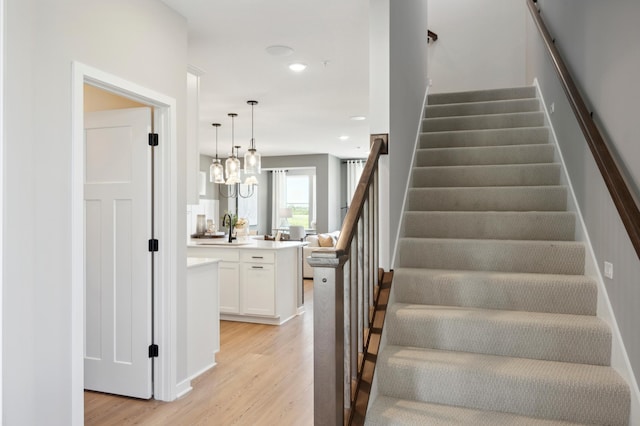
(328, 338)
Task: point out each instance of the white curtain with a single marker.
(354, 170)
(279, 200)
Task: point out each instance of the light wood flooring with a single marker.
(264, 376)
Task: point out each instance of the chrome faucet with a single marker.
(224, 221)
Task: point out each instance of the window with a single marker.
(298, 200)
(294, 198)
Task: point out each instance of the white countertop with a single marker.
(200, 261)
(250, 243)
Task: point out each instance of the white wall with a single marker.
(481, 44)
(379, 61)
(606, 70)
(398, 61)
(143, 42)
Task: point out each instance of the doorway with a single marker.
(165, 207)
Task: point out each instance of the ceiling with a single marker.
(297, 113)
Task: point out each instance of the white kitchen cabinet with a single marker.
(259, 282)
(229, 288)
(259, 293)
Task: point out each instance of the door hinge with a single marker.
(153, 245)
(153, 351)
(153, 139)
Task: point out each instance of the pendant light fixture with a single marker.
(232, 164)
(216, 170)
(252, 163)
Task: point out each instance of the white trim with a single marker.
(1, 193)
(619, 358)
(410, 180)
(183, 388)
(166, 225)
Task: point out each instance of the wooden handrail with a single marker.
(379, 146)
(624, 200)
(345, 285)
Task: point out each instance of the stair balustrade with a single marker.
(345, 280)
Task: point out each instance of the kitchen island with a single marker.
(260, 281)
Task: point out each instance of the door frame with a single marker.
(165, 123)
(2, 16)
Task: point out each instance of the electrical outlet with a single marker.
(552, 108)
(608, 270)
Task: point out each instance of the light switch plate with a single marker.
(608, 270)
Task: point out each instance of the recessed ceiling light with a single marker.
(358, 117)
(343, 137)
(277, 50)
(298, 67)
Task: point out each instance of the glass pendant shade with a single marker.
(232, 170)
(252, 162)
(251, 180)
(216, 172)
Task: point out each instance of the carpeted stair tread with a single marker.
(387, 411)
(553, 293)
(482, 95)
(546, 389)
(486, 175)
(487, 137)
(552, 337)
(485, 155)
(496, 198)
(491, 320)
(481, 122)
(482, 108)
(553, 226)
(551, 257)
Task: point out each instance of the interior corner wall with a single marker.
(379, 62)
(407, 88)
(481, 44)
(334, 220)
(143, 42)
(606, 70)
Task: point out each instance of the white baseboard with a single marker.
(183, 388)
(619, 358)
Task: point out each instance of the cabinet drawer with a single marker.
(257, 256)
(224, 254)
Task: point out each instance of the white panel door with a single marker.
(117, 319)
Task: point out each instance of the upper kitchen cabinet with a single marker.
(193, 149)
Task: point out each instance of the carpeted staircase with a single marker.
(492, 320)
